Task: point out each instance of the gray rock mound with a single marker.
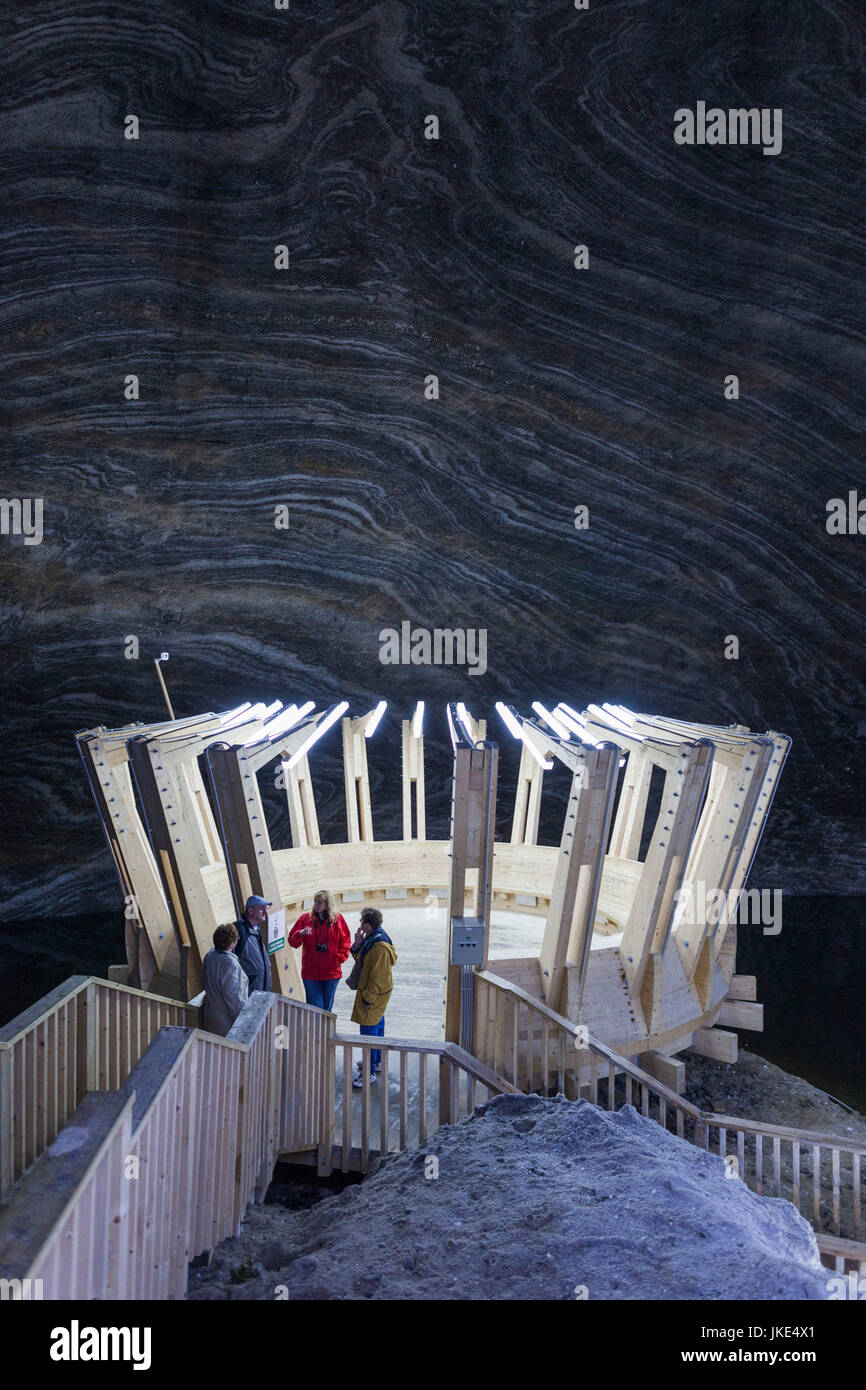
(534, 1199)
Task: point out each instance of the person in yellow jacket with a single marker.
(374, 953)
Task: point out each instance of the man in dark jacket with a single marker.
(251, 950)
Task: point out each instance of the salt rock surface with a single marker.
(535, 1199)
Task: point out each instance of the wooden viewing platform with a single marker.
(132, 1141)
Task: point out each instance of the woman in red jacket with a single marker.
(324, 938)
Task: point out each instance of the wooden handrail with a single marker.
(825, 1187)
(32, 1221)
(658, 1088)
(85, 1035)
(845, 1252)
(459, 1073)
(583, 1042)
(369, 1040)
(206, 1116)
(292, 1003)
(803, 1136)
(484, 1074)
(537, 1004)
(49, 1003)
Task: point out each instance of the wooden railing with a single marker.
(86, 1035)
(147, 1176)
(537, 1049)
(160, 1166)
(403, 1107)
(521, 1038)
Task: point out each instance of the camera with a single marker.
(321, 947)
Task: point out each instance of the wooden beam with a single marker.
(248, 851)
(715, 1043)
(743, 987)
(650, 919)
(763, 800)
(671, 1071)
(718, 845)
(740, 1014)
(356, 775)
(183, 846)
(413, 784)
(775, 748)
(574, 897)
(301, 802)
(476, 728)
(185, 747)
(134, 860)
(473, 822)
(631, 810)
(734, 783)
(662, 751)
(527, 800)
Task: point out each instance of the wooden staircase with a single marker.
(133, 1141)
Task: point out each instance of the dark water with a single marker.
(40, 953)
(811, 981)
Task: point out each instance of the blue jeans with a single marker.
(375, 1030)
(321, 992)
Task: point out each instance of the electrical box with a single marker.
(467, 941)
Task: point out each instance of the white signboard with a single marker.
(276, 931)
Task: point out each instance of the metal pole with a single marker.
(163, 656)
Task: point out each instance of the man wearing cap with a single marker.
(251, 950)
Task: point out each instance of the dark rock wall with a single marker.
(304, 387)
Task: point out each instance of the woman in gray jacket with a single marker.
(224, 982)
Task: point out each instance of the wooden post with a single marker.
(327, 1119)
(725, 824)
(460, 816)
(302, 804)
(527, 800)
(181, 851)
(413, 783)
(573, 901)
(359, 812)
(472, 838)
(631, 811)
(87, 1062)
(107, 768)
(446, 1110)
(248, 847)
(649, 921)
